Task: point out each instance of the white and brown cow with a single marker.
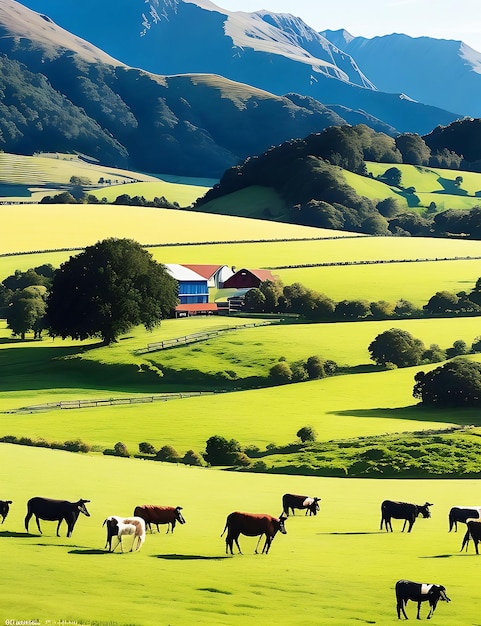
(119, 526)
(252, 525)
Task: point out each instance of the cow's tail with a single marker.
(465, 541)
(225, 528)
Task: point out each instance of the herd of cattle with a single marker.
(256, 525)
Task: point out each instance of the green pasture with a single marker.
(357, 404)
(431, 185)
(255, 201)
(337, 568)
(184, 195)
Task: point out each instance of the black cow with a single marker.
(402, 510)
(252, 525)
(4, 508)
(473, 532)
(53, 510)
(418, 592)
(461, 514)
(292, 501)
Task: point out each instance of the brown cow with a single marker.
(252, 525)
(153, 514)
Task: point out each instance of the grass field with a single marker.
(336, 568)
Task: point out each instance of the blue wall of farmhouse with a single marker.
(193, 292)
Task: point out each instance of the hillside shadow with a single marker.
(417, 413)
(189, 557)
(11, 533)
(450, 187)
(411, 198)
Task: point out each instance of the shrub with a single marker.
(220, 451)
(120, 449)
(315, 367)
(306, 433)
(168, 454)
(192, 458)
(146, 448)
(281, 373)
(77, 446)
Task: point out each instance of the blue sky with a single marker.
(443, 19)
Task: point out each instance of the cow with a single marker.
(473, 532)
(402, 510)
(252, 525)
(153, 514)
(55, 510)
(462, 514)
(119, 526)
(4, 509)
(292, 501)
(418, 592)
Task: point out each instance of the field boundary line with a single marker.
(93, 403)
(375, 262)
(184, 340)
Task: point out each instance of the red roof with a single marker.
(206, 271)
(195, 308)
(263, 275)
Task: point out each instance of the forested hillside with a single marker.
(310, 175)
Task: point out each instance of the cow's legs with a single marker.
(258, 542)
(419, 608)
(37, 519)
(27, 519)
(267, 544)
(400, 607)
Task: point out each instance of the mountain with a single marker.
(442, 73)
(60, 93)
(277, 53)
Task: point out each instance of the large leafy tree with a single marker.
(396, 346)
(454, 384)
(107, 289)
(27, 310)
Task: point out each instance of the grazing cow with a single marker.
(120, 526)
(473, 532)
(462, 514)
(402, 510)
(153, 514)
(252, 525)
(418, 592)
(53, 510)
(292, 501)
(4, 508)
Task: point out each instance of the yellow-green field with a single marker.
(336, 568)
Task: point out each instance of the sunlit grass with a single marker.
(75, 580)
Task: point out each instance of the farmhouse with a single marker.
(193, 288)
(215, 274)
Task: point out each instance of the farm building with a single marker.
(193, 287)
(215, 274)
(248, 279)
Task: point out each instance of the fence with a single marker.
(203, 336)
(88, 403)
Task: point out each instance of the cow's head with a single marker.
(178, 515)
(314, 507)
(282, 527)
(424, 510)
(442, 593)
(82, 508)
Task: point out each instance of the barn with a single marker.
(248, 279)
